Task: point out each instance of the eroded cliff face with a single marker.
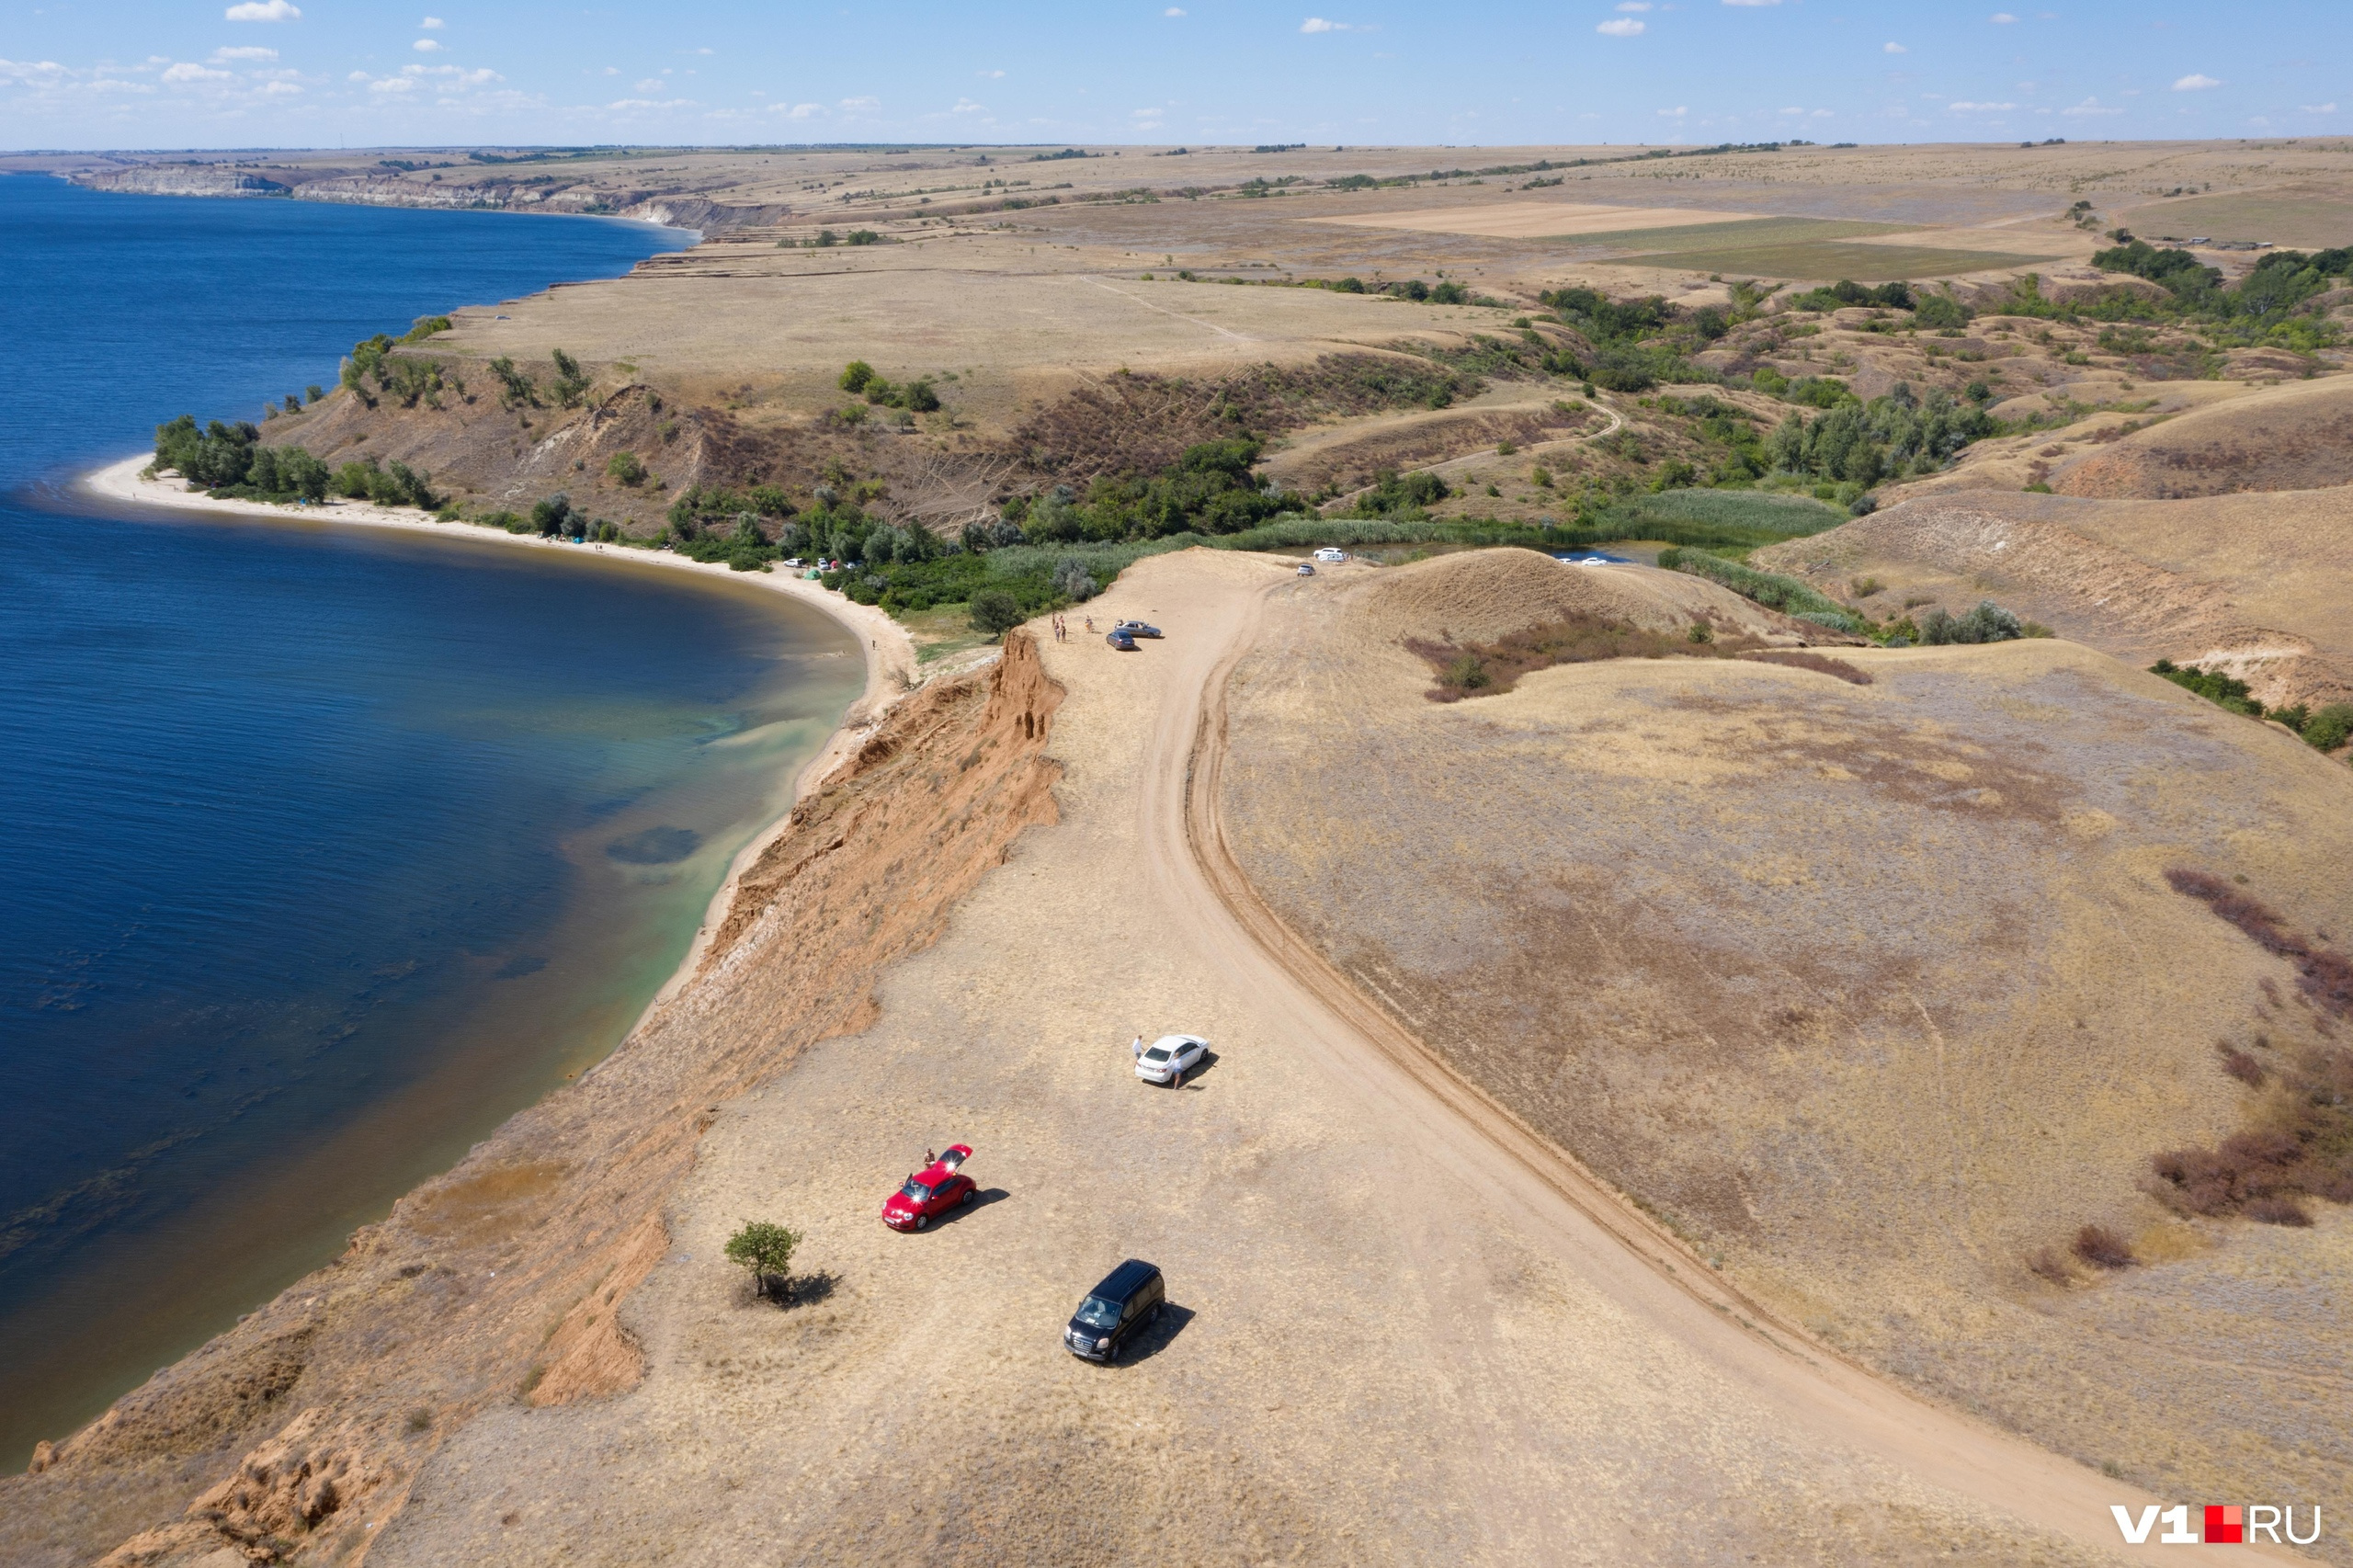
(293, 1436)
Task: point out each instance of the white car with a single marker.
(1331, 555)
(1169, 1058)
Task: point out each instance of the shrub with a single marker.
(995, 612)
(551, 515)
(571, 382)
(625, 467)
(856, 375)
(1989, 622)
(922, 396)
(1939, 311)
(1073, 581)
(2330, 727)
(765, 1252)
(2103, 1248)
(2278, 1210)
(864, 237)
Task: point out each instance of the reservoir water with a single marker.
(322, 849)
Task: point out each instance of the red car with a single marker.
(931, 1191)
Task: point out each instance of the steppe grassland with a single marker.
(1872, 992)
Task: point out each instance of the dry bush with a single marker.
(2323, 976)
(1133, 423)
(2051, 1264)
(2103, 1248)
(1804, 659)
(2300, 1143)
(2278, 1211)
(2241, 1066)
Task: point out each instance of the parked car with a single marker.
(1305, 570)
(1137, 629)
(931, 1191)
(1169, 1058)
(1118, 637)
(1331, 555)
(1130, 1296)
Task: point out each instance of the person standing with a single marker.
(1136, 1050)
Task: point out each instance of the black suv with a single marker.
(1130, 1296)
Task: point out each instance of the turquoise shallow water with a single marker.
(322, 849)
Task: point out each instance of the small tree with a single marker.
(995, 612)
(625, 467)
(856, 375)
(767, 1251)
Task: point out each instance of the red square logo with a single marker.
(2225, 1526)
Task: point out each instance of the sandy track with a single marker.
(1402, 1334)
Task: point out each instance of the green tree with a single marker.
(995, 612)
(570, 382)
(765, 1251)
(856, 376)
(625, 467)
(550, 515)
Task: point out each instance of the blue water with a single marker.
(321, 851)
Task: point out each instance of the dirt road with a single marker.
(1402, 1333)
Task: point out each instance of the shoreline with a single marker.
(889, 653)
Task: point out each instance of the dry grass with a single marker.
(1860, 986)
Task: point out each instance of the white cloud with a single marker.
(280, 89)
(427, 46)
(860, 106)
(2091, 107)
(966, 106)
(184, 71)
(1978, 109)
(990, 76)
(651, 85)
(393, 84)
(801, 111)
(357, 77)
(1633, 4)
(243, 52)
(264, 11)
(2195, 83)
(1677, 112)
(651, 103)
(1824, 113)
(432, 24)
(1622, 27)
(1174, 11)
(1893, 48)
(1325, 25)
(1751, 2)
(2001, 18)
(2316, 108)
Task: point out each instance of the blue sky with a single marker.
(85, 73)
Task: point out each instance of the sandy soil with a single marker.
(1404, 1331)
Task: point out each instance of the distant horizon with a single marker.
(886, 143)
(1506, 72)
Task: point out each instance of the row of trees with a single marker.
(229, 461)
